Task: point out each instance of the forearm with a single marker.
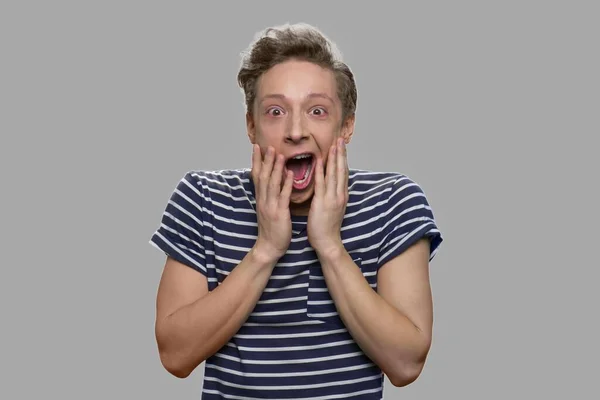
(195, 332)
(386, 336)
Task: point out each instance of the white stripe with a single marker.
(291, 335)
(281, 324)
(289, 374)
(275, 313)
(319, 302)
(290, 287)
(291, 348)
(433, 253)
(293, 276)
(323, 315)
(330, 397)
(294, 387)
(288, 361)
(284, 300)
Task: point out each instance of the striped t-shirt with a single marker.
(294, 344)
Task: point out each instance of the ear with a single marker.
(348, 128)
(250, 128)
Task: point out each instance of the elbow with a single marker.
(404, 372)
(405, 375)
(175, 360)
(172, 356)
(174, 366)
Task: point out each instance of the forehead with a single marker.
(297, 80)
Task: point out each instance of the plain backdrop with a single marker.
(491, 107)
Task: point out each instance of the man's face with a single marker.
(298, 112)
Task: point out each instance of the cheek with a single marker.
(265, 137)
(326, 141)
(270, 129)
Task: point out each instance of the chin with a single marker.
(302, 199)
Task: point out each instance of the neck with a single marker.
(300, 209)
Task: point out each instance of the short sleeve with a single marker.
(409, 218)
(180, 234)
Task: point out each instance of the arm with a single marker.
(394, 326)
(192, 323)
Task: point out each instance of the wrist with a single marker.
(330, 251)
(263, 255)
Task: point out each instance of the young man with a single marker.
(297, 277)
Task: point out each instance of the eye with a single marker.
(275, 111)
(318, 111)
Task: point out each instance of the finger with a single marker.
(286, 191)
(342, 169)
(274, 188)
(331, 170)
(319, 177)
(256, 162)
(265, 172)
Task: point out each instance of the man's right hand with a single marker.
(273, 190)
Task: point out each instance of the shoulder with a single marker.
(209, 183)
(218, 179)
(388, 186)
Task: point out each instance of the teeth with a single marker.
(301, 156)
(306, 174)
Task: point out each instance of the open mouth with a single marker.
(302, 167)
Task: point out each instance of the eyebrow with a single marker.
(310, 96)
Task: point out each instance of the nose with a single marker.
(296, 131)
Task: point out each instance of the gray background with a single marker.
(492, 108)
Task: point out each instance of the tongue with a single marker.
(298, 167)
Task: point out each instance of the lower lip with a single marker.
(304, 184)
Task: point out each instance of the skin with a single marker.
(297, 110)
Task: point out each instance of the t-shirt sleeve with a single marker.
(181, 232)
(409, 218)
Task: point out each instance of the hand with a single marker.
(272, 203)
(329, 201)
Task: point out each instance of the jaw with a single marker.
(302, 196)
(300, 201)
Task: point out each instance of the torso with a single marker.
(294, 344)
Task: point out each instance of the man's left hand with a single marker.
(329, 201)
